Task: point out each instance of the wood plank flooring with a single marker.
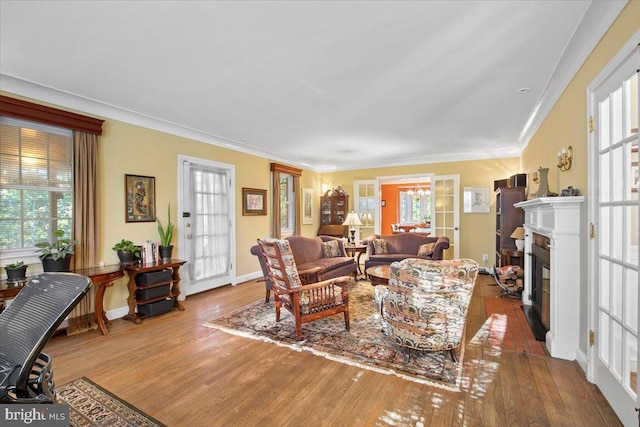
(183, 373)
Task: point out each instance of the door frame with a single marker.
(182, 161)
(630, 48)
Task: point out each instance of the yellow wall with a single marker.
(477, 231)
(566, 124)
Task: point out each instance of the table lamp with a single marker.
(518, 234)
(353, 221)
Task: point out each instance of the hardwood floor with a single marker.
(183, 373)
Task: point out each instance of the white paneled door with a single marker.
(207, 226)
(446, 212)
(613, 253)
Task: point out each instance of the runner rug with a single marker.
(92, 405)
(364, 345)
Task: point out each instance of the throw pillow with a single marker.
(331, 249)
(426, 249)
(380, 246)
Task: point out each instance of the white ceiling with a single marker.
(322, 85)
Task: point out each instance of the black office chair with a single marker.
(26, 325)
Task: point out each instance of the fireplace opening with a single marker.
(538, 313)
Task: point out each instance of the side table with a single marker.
(134, 269)
(509, 254)
(356, 251)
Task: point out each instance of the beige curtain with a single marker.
(85, 202)
(276, 169)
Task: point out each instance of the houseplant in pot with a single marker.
(166, 235)
(56, 255)
(16, 271)
(128, 253)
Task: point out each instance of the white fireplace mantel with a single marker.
(559, 219)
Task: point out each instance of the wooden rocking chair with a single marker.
(305, 302)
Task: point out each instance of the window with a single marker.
(36, 191)
(286, 200)
(287, 206)
(415, 207)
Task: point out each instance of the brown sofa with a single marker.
(402, 246)
(307, 252)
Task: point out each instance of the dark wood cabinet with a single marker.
(333, 207)
(508, 218)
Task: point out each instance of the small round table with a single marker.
(356, 251)
(379, 275)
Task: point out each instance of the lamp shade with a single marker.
(518, 233)
(352, 219)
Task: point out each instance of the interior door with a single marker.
(446, 212)
(613, 207)
(207, 225)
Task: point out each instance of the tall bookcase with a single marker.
(508, 218)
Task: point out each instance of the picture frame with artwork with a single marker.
(254, 201)
(477, 200)
(140, 198)
(307, 206)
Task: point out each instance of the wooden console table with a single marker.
(102, 277)
(134, 269)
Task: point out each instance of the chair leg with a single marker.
(298, 331)
(268, 296)
(346, 321)
(454, 357)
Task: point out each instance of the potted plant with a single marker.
(16, 271)
(166, 235)
(128, 253)
(56, 255)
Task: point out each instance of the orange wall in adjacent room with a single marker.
(389, 213)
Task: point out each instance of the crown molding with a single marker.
(594, 24)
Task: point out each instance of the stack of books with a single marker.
(149, 252)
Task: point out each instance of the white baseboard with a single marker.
(581, 358)
(250, 276)
(117, 313)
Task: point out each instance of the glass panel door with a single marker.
(445, 216)
(614, 252)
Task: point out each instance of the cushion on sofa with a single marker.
(331, 249)
(426, 249)
(380, 247)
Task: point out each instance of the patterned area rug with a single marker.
(91, 405)
(364, 345)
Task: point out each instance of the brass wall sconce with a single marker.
(565, 156)
(535, 175)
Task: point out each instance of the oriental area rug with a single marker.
(92, 405)
(364, 345)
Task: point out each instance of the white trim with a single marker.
(246, 277)
(594, 24)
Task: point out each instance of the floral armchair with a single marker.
(425, 306)
(305, 302)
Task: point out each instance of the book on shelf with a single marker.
(149, 252)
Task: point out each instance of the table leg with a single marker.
(175, 288)
(101, 317)
(132, 299)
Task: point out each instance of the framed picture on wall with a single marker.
(477, 200)
(254, 201)
(307, 205)
(140, 198)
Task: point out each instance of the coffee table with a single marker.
(378, 275)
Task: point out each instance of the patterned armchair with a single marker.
(425, 306)
(305, 302)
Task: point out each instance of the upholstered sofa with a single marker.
(309, 255)
(402, 246)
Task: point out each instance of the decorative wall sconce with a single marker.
(565, 156)
(535, 175)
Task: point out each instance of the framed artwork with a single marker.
(307, 205)
(140, 198)
(254, 201)
(477, 200)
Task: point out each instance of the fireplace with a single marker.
(554, 277)
(540, 272)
